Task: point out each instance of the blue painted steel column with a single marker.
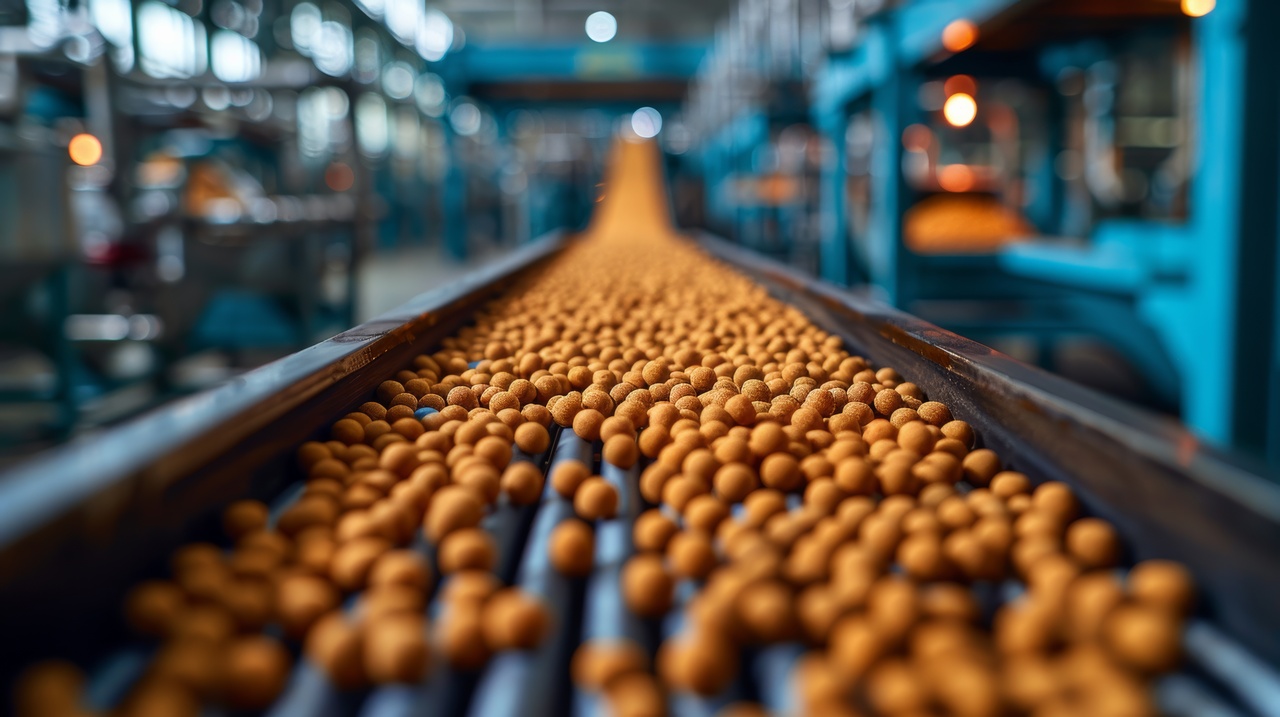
(833, 246)
(888, 197)
(1256, 294)
(1208, 339)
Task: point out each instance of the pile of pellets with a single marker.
(811, 497)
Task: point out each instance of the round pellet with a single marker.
(567, 476)
(467, 549)
(336, 647)
(532, 438)
(596, 499)
(255, 670)
(396, 649)
(647, 587)
(572, 548)
(1162, 584)
(598, 663)
(514, 620)
(301, 600)
(522, 483)
(452, 508)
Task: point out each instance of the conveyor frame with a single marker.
(77, 526)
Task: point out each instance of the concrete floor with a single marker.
(388, 279)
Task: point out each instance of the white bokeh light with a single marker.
(333, 49)
(402, 18)
(304, 26)
(434, 35)
(465, 119)
(234, 57)
(397, 80)
(373, 131)
(646, 122)
(601, 26)
(114, 20)
(172, 44)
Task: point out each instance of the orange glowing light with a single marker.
(956, 178)
(960, 35)
(85, 150)
(917, 138)
(957, 84)
(339, 177)
(960, 110)
(1198, 8)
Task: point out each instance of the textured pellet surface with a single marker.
(637, 484)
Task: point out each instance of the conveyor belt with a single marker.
(78, 526)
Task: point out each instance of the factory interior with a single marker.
(713, 358)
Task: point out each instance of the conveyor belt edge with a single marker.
(1169, 493)
(92, 515)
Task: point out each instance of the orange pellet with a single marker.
(568, 476)
(596, 499)
(621, 451)
(666, 359)
(522, 483)
(532, 438)
(572, 548)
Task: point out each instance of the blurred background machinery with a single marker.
(190, 188)
(1087, 185)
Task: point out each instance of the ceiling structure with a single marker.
(564, 20)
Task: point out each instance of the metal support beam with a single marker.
(889, 104)
(500, 62)
(1214, 333)
(1254, 420)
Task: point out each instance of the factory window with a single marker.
(371, 124)
(334, 49)
(46, 23)
(372, 8)
(402, 18)
(434, 35)
(234, 57)
(320, 114)
(171, 43)
(114, 20)
(304, 26)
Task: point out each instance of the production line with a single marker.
(110, 510)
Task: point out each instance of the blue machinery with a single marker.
(1187, 293)
(1188, 298)
(383, 140)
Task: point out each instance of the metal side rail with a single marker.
(81, 523)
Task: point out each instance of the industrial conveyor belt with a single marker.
(80, 525)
